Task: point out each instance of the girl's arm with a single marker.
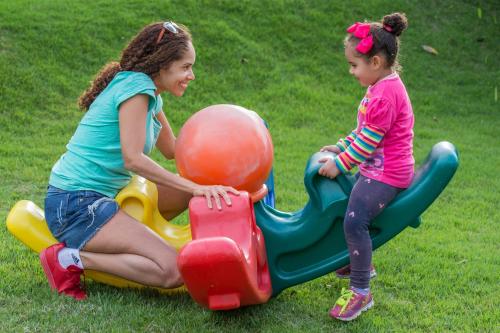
(360, 149)
(379, 118)
(343, 143)
(132, 117)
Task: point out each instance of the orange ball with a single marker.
(225, 145)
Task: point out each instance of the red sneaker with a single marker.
(66, 281)
(350, 305)
(345, 272)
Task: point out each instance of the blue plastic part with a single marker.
(269, 199)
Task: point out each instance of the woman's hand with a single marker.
(329, 169)
(215, 191)
(331, 148)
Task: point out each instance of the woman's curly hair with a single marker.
(145, 54)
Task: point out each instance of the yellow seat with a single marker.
(139, 199)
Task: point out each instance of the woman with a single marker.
(123, 121)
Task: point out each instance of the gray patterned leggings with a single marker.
(368, 199)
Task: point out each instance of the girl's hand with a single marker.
(215, 192)
(329, 169)
(331, 148)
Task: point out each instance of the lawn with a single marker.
(283, 59)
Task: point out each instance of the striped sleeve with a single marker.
(346, 142)
(360, 149)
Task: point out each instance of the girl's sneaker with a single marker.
(345, 272)
(64, 280)
(350, 305)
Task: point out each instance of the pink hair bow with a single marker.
(362, 31)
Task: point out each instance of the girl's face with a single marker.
(176, 77)
(367, 73)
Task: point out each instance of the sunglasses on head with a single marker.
(167, 26)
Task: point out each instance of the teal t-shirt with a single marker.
(93, 160)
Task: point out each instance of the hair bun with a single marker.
(397, 23)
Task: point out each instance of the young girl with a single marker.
(124, 120)
(381, 145)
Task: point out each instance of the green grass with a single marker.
(441, 277)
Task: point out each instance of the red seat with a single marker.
(224, 266)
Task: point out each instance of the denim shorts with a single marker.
(74, 217)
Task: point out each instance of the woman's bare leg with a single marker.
(127, 248)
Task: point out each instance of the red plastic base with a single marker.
(225, 265)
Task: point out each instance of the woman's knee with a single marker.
(169, 276)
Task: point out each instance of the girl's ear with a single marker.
(377, 62)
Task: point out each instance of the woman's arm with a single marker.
(166, 139)
(132, 117)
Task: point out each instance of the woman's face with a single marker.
(176, 77)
